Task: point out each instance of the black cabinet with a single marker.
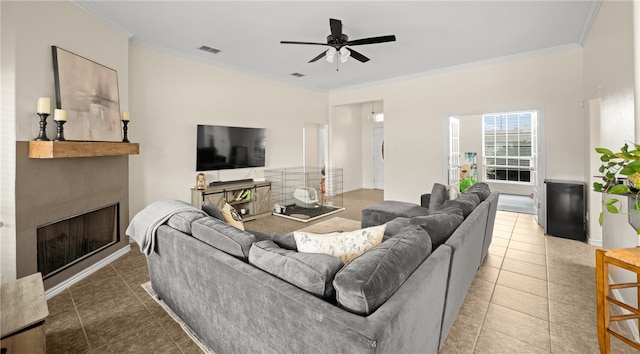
(566, 209)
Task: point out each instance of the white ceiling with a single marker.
(432, 36)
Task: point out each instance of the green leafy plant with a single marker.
(625, 162)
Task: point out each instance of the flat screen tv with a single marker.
(221, 147)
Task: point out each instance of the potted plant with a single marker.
(625, 162)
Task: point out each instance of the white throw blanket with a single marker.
(144, 224)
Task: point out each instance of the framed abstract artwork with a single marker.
(88, 91)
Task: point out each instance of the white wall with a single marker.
(414, 112)
(29, 29)
(170, 95)
(608, 89)
(346, 144)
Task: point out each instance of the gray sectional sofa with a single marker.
(246, 292)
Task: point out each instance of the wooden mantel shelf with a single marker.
(60, 149)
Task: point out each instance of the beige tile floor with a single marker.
(533, 294)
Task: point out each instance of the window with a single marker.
(508, 154)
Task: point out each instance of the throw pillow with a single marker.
(439, 195)
(224, 237)
(312, 272)
(231, 216)
(344, 245)
(369, 280)
(212, 210)
(181, 221)
(440, 225)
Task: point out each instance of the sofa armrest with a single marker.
(425, 199)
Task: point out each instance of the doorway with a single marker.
(378, 158)
(509, 157)
(314, 137)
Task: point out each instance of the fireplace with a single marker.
(65, 242)
(50, 190)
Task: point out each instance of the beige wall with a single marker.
(170, 95)
(345, 147)
(29, 29)
(608, 88)
(415, 111)
(609, 94)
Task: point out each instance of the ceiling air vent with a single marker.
(297, 75)
(209, 49)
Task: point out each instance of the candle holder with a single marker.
(124, 129)
(42, 135)
(60, 130)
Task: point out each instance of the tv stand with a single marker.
(252, 197)
(220, 183)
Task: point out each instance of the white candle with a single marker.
(125, 115)
(60, 114)
(44, 105)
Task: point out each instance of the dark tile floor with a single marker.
(533, 294)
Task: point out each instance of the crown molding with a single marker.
(86, 6)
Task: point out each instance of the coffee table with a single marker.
(332, 225)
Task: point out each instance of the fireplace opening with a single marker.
(65, 242)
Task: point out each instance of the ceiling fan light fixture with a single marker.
(331, 54)
(345, 54)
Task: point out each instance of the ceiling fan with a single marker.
(341, 45)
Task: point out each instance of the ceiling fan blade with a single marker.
(357, 56)
(336, 29)
(294, 42)
(318, 57)
(372, 40)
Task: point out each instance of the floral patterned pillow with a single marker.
(232, 217)
(344, 245)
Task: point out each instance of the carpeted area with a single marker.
(515, 203)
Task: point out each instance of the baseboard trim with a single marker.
(85, 273)
(597, 243)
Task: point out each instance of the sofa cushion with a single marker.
(313, 272)
(369, 280)
(466, 202)
(232, 217)
(439, 195)
(441, 224)
(212, 210)
(285, 241)
(181, 221)
(387, 210)
(481, 189)
(223, 236)
(344, 245)
(395, 226)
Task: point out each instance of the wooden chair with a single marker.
(625, 258)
